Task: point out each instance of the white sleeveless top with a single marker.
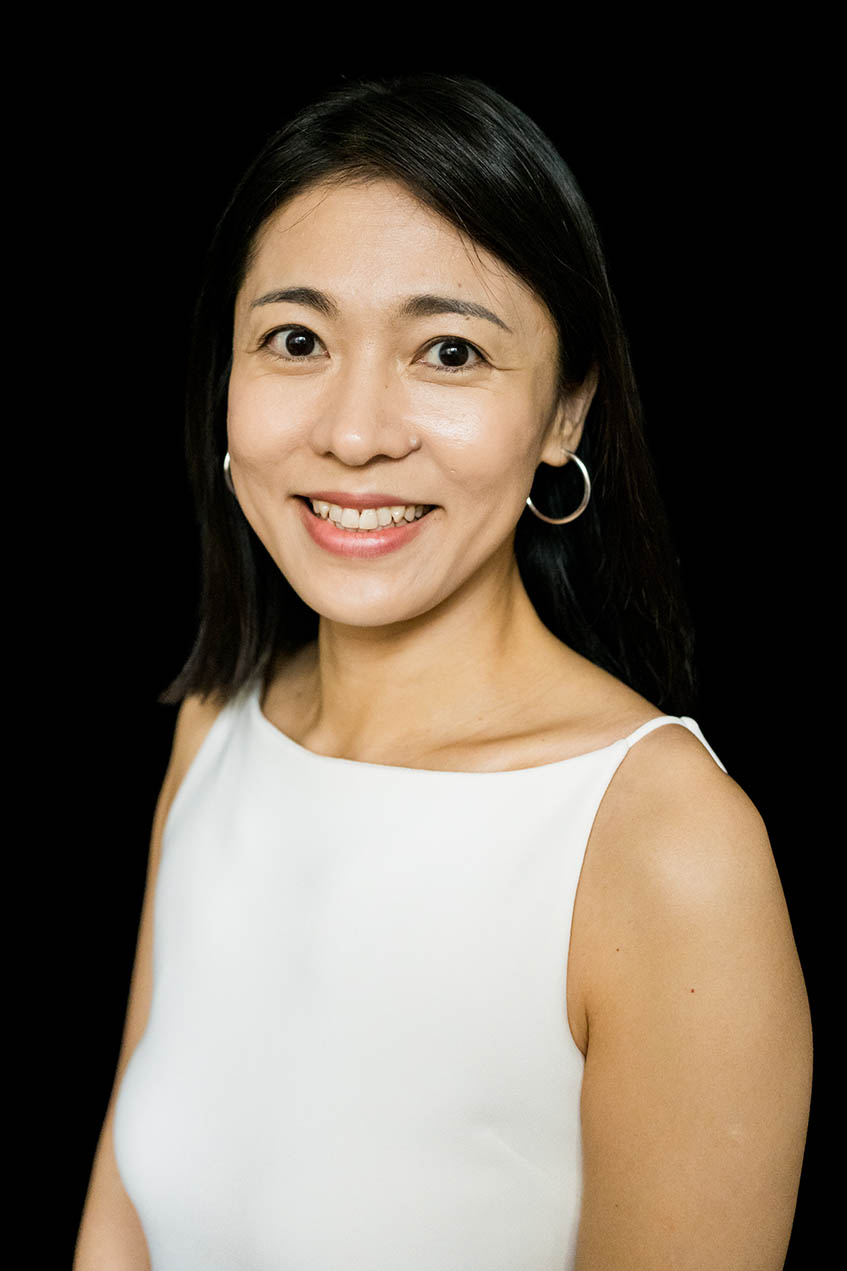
(358, 1053)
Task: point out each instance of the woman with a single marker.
(465, 954)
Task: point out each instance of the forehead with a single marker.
(374, 240)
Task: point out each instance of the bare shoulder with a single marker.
(677, 852)
(194, 719)
(690, 1003)
(675, 824)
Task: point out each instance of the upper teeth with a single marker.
(368, 518)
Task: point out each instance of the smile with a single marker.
(364, 534)
(368, 519)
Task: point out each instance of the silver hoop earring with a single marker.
(586, 495)
(227, 476)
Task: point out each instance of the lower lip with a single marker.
(362, 543)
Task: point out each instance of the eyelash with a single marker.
(444, 339)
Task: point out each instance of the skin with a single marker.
(415, 648)
(684, 991)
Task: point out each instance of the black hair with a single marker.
(606, 584)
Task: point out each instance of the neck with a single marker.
(464, 670)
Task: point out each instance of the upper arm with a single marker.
(698, 1064)
(110, 1236)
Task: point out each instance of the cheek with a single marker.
(259, 433)
(494, 448)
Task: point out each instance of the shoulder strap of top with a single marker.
(686, 722)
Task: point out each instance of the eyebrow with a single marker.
(419, 306)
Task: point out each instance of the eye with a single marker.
(295, 343)
(291, 343)
(455, 355)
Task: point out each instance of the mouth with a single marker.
(364, 520)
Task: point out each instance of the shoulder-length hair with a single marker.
(606, 584)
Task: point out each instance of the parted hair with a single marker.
(607, 584)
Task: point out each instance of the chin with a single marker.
(360, 604)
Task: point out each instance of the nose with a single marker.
(361, 419)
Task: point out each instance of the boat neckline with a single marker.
(270, 728)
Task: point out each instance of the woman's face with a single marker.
(405, 368)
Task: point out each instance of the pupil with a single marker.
(454, 353)
(299, 342)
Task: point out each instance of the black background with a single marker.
(702, 156)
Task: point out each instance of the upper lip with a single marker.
(361, 501)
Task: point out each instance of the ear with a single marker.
(568, 421)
